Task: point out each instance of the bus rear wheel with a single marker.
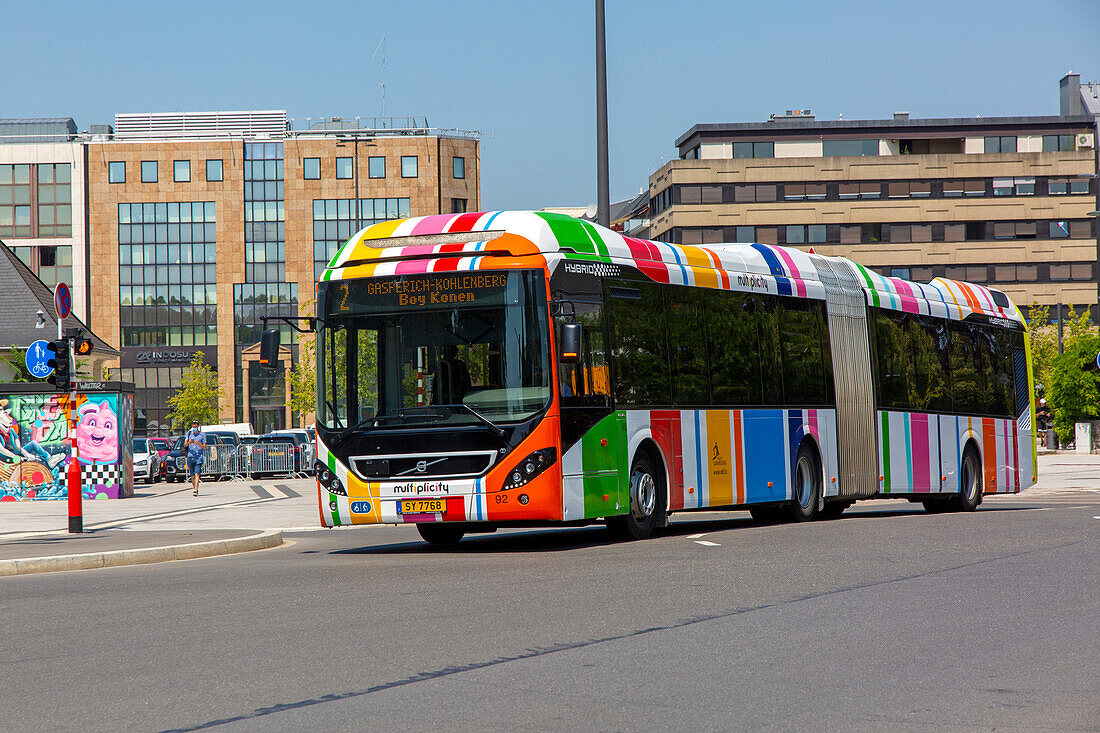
(440, 534)
(646, 500)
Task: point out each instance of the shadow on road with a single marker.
(561, 539)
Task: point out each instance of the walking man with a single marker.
(194, 442)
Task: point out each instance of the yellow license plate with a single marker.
(421, 506)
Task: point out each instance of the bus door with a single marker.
(593, 436)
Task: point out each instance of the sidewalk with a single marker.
(160, 522)
(1067, 471)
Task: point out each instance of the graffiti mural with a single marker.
(35, 447)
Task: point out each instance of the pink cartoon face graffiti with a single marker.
(97, 432)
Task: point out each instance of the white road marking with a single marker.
(696, 536)
(708, 543)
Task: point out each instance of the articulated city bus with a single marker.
(500, 369)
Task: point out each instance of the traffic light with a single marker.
(60, 363)
(82, 347)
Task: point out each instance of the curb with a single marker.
(141, 556)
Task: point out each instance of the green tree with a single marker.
(16, 358)
(303, 379)
(198, 396)
(1044, 344)
(1073, 392)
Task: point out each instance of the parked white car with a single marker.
(146, 461)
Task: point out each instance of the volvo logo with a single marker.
(420, 467)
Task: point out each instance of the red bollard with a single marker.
(76, 504)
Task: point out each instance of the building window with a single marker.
(833, 148)
(799, 191)
(15, 200)
(796, 234)
(408, 166)
(167, 274)
(264, 215)
(863, 190)
(744, 235)
(1057, 143)
(1059, 229)
(909, 189)
(743, 194)
(1078, 185)
(181, 171)
(459, 167)
(214, 169)
(1014, 186)
(55, 210)
(815, 233)
(335, 220)
(458, 206)
(344, 168)
(376, 166)
(116, 171)
(148, 171)
(1002, 144)
(754, 150)
(311, 169)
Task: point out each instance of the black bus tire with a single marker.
(806, 484)
(646, 502)
(970, 480)
(441, 534)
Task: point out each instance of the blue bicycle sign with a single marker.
(37, 356)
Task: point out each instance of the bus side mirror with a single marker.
(571, 343)
(269, 347)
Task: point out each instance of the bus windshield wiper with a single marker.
(377, 420)
(501, 432)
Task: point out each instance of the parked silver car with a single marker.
(146, 461)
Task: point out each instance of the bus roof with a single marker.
(475, 240)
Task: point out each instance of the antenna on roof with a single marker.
(382, 45)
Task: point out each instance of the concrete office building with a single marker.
(1006, 201)
(199, 224)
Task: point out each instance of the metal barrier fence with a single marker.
(218, 460)
(244, 461)
(277, 458)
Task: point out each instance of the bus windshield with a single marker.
(433, 350)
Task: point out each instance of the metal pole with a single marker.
(76, 496)
(603, 196)
(1059, 328)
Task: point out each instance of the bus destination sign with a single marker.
(435, 290)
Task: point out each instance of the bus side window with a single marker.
(690, 376)
(585, 383)
(732, 348)
(771, 358)
(893, 360)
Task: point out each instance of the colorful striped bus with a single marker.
(511, 369)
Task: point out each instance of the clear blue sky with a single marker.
(522, 72)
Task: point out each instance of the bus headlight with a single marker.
(530, 467)
(329, 480)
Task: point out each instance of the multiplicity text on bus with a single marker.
(497, 369)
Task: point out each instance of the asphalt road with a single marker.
(889, 619)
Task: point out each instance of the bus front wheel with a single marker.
(646, 500)
(807, 485)
(440, 534)
(970, 493)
